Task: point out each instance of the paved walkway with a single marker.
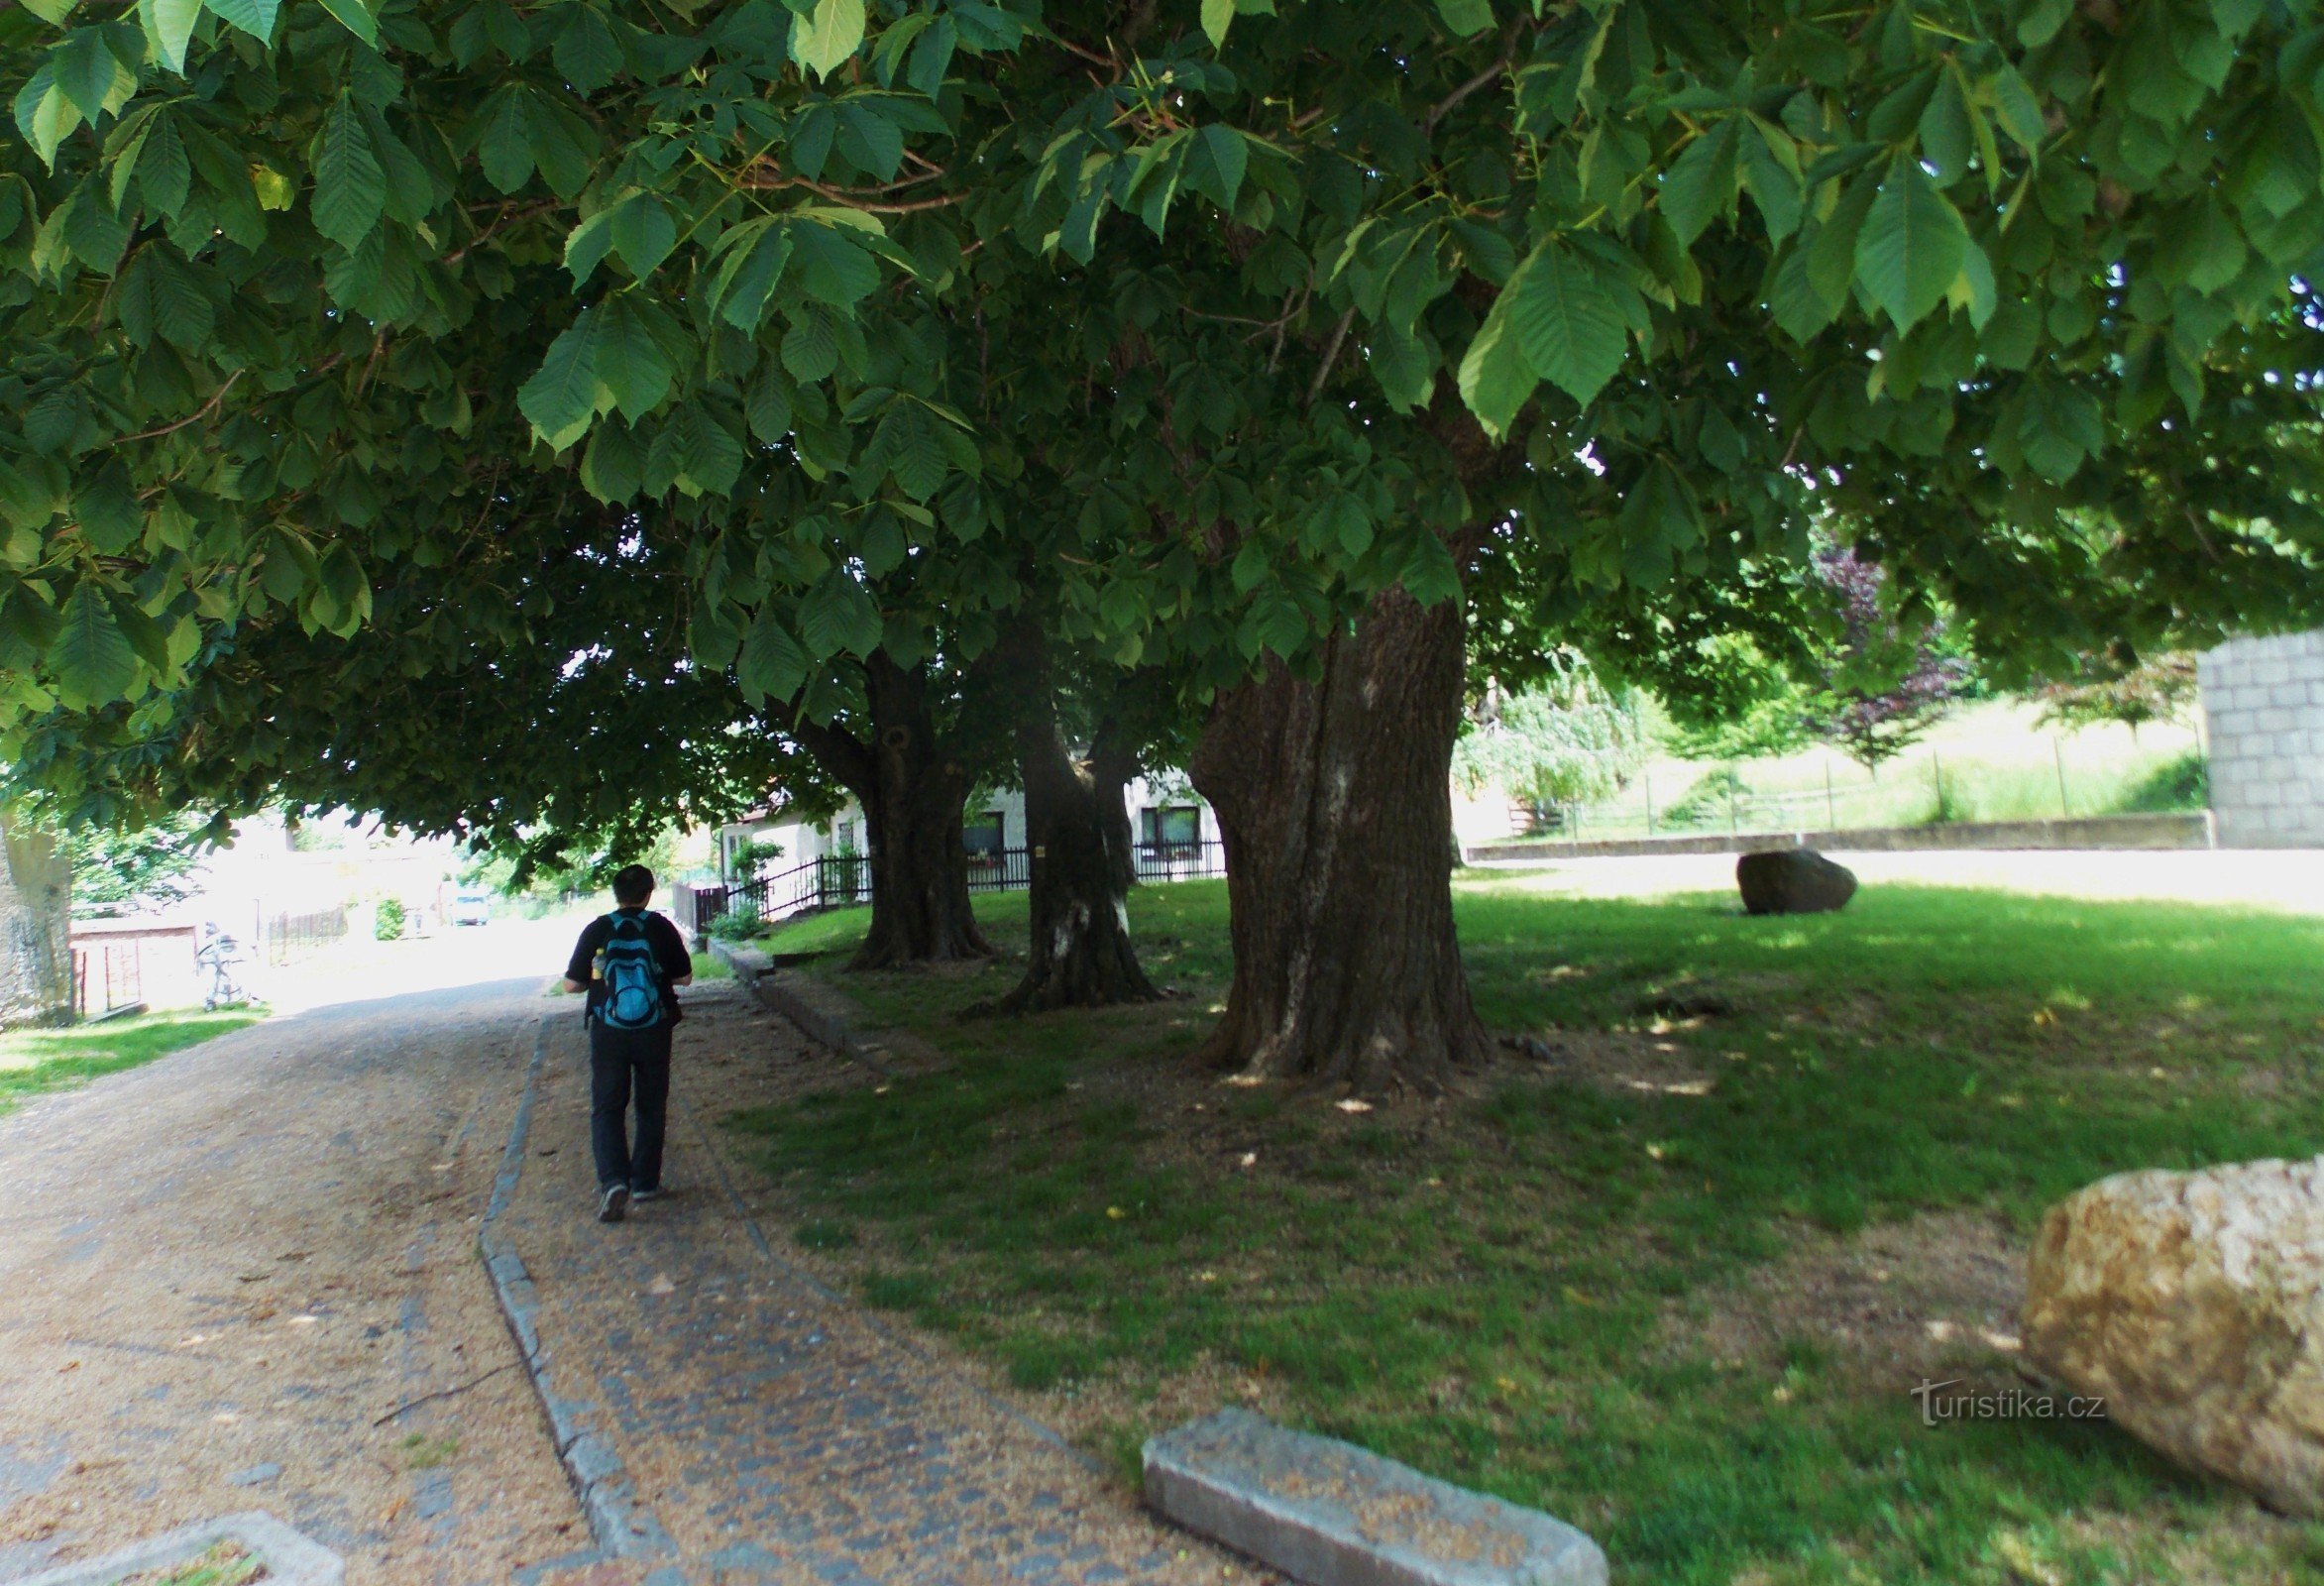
(247, 1277)
(768, 1431)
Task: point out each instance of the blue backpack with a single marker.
(633, 997)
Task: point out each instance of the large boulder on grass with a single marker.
(1793, 881)
(2194, 1303)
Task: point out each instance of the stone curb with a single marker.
(290, 1559)
(621, 1526)
(1310, 1507)
(828, 1017)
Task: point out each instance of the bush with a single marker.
(1707, 800)
(2180, 784)
(387, 924)
(756, 852)
(735, 924)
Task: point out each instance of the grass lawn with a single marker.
(35, 1062)
(1674, 1283)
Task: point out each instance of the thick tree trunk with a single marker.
(36, 955)
(1333, 798)
(912, 789)
(1080, 954)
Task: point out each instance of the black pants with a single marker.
(622, 1063)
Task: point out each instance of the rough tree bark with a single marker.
(1335, 803)
(1078, 829)
(36, 955)
(912, 789)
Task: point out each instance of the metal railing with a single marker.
(293, 936)
(838, 881)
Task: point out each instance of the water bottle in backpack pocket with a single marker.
(633, 998)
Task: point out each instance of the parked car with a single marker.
(472, 908)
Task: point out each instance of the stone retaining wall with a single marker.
(2191, 831)
(2263, 708)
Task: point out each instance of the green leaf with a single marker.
(504, 144)
(1496, 375)
(773, 664)
(351, 189)
(1217, 17)
(769, 407)
(836, 615)
(565, 393)
(1402, 365)
(1773, 187)
(614, 467)
(344, 581)
(1912, 245)
(1466, 18)
(44, 114)
(587, 51)
(163, 178)
(107, 511)
(168, 29)
(1216, 163)
(53, 12)
(356, 17)
(711, 637)
(917, 460)
(629, 362)
(90, 74)
(747, 277)
(1567, 321)
(2018, 111)
(90, 656)
(1701, 182)
(1799, 308)
(587, 244)
(254, 16)
(144, 636)
(1432, 577)
(823, 40)
(810, 349)
(643, 233)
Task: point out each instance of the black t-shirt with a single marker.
(670, 957)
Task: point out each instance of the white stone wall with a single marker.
(2264, 710)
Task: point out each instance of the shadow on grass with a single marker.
(1502, 1288)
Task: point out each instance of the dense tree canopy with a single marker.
(1192, 328)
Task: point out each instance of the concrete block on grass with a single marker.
(1330, 1513)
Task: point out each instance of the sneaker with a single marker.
(613, 1205)
(638, 1196)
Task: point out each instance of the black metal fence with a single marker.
(293, 936)
(836, 882)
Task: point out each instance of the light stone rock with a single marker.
(2193, 1302)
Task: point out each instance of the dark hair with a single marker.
(633, 885)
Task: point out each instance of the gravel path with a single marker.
(769, 1430)
(226, 1274)
(246, 1277)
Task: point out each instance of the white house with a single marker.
(1173, 829)
(1174, 832)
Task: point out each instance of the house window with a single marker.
(1171, 826)
(988, 838)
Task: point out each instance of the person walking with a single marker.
(631, 963)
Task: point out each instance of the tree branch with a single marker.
(205, 410)
(1331, 356)
(1482, 80)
